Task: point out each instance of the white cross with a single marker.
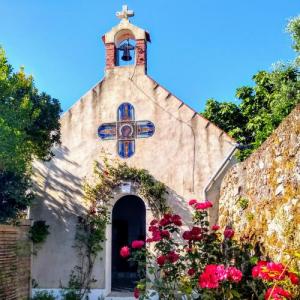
(125, 13)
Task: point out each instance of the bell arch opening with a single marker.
(125, 43)
(128, 224)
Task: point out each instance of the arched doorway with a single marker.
(128, 224)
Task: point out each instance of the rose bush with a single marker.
(203, 263)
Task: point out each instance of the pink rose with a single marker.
(192, 201)
(137, 244)
(234, 274)
(125, 251)
(277, 293)
(228, 233)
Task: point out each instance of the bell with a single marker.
(126, 47)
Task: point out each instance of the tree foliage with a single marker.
(262, 106)
(29, 127)
(15, 194)
(293, 28)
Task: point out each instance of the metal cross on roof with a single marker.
(125, 13)
(126, 130)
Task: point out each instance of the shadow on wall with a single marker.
(56, 190)
(180, 206)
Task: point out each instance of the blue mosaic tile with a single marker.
(126, 130)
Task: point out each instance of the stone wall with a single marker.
(261, 196)
(15, 262)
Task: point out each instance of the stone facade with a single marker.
(261, 196)
(15, 262)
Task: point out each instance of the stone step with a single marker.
(120, 296)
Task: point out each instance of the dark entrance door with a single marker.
(128, 224)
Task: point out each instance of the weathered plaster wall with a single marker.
(261, 196)
(183, 153)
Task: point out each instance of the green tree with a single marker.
(262, 106)
(29, 127)
(293, 28)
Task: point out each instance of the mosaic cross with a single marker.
(126, 130)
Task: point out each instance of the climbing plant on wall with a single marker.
(91, 227)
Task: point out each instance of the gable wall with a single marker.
(183, 142)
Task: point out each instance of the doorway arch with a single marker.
(128, 224)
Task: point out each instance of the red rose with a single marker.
(215, 227)
(228, 233)
(149, 240)
(208, 280)
(191, 272)
(196, 238)
(172, 256)
(152, 228)
(196, 230)
(153, 222)
(125, 252)
(176, 219)
(177, 222)
(211, 276)
(256, 269)
(203, 205)
(187, 235)
(156, 236)
(165, 221)
(293, 278)
(161, 260)
(200, 206)
(269, 271)
(165, 234)
(234, 274)
(167, 216)
(192, 201)
(277, 293)
(137, 244)
(136, 293)
(275, 271)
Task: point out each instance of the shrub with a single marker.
(207, 265)
(43, 295)
(38, 232)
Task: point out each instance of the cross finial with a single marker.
(125, 13)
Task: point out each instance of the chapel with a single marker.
(128, 117)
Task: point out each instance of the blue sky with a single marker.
(200, 48)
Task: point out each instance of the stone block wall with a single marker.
(15, 262)
(260, 197)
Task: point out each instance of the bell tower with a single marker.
(126, 44)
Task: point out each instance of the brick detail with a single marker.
(141, 52)
(110, 55)
(15, 262)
